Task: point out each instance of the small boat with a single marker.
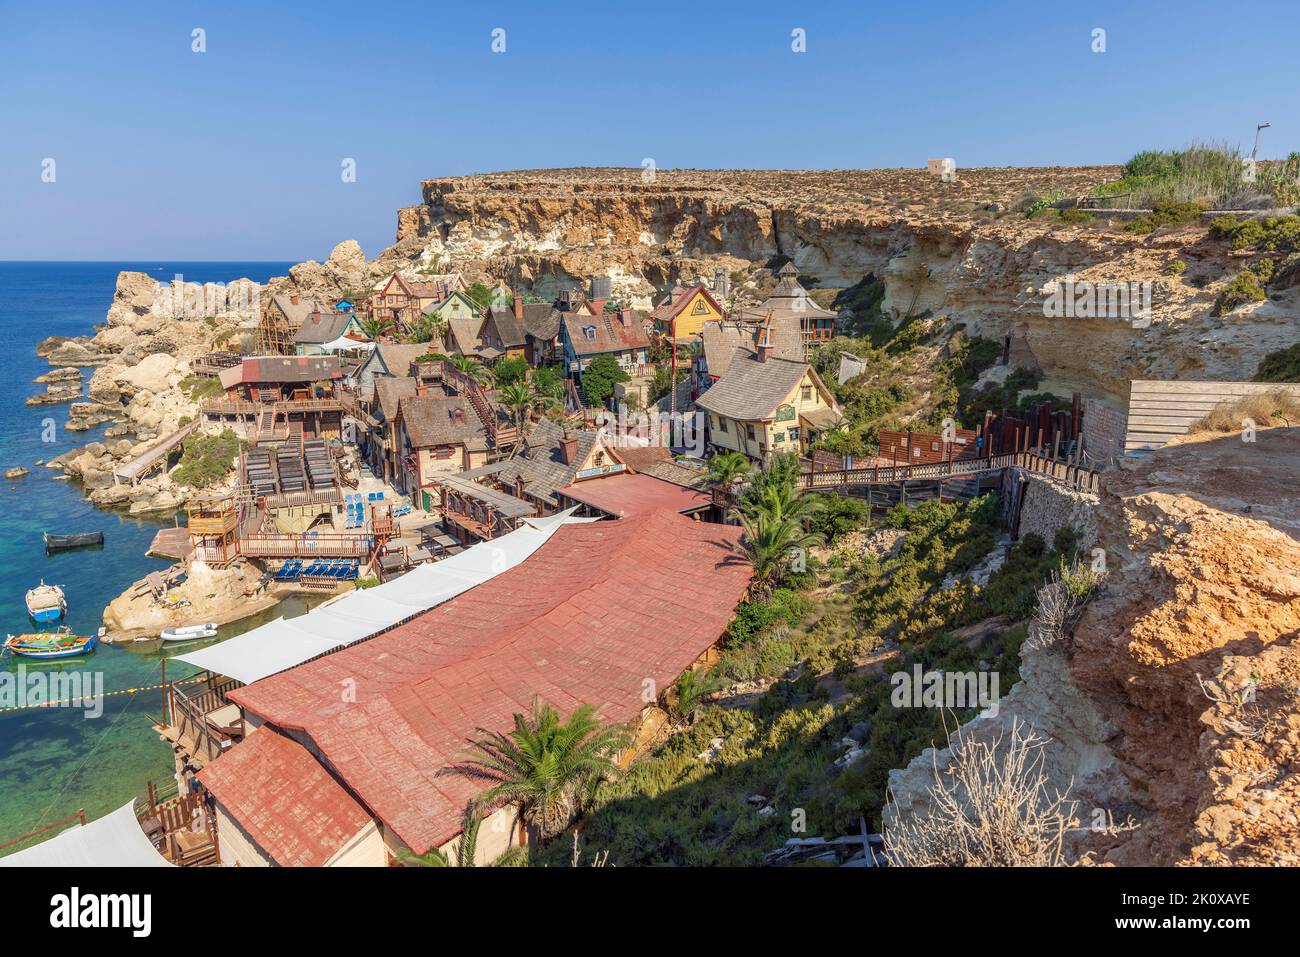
(50, 645)
(62, 543)
(46, 602)
(189, 632)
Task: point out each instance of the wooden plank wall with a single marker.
(1160, 411)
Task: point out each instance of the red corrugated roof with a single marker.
(628, 494)
(286, 801)
(586, 619)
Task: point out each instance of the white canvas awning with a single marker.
(344, 343)
(281, 644)
(114, 840)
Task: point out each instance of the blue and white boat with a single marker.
(46, 602)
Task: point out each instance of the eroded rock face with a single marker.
(1203, 544)
(934, 245)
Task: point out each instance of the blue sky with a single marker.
(236, 153)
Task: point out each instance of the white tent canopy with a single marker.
(281, 644)
(344, 343)
(114, 840)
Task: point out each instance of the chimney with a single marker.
(294, 299)
(569, 449)
(765, 340)
(519, 307)
(625, 317)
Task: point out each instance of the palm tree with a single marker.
(727, 468)
(472, 368)
(686, 698)
(428, 328)
(771, 542)
(520, 400)
(465, 849)
(546, 766)
(376, 327)
(776, 516)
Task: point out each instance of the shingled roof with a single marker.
(320, 327)
(720, 340)
(442, 420)
(751, 390)
(511, 332)
(541, 320)
(587, 619)
(540, 464)
(389, 391)
(286, 801)
(611, 332)
(658, 461)
(295, 312)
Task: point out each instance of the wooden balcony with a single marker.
(200, 723)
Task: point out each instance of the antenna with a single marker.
(1258, 127)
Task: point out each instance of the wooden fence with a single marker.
(1161, 411)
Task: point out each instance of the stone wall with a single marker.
(1103, 432)
(1049, 505)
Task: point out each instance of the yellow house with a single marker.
(683, 312)
(763, 405)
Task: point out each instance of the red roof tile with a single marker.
(286, 801)
(629, 494)
(586, 619)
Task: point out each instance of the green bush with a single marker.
(838, 516)
(206, 460)
(754, 617)
(1280, 366)
(1166, 214)
(198, 387)
(1245, 287)
(598, 380)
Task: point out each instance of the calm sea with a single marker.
(55, 761)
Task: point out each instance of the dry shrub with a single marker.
(1267, 409)
(990, 807)
(1061, 602)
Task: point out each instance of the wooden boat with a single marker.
(189, 632)
(61, 543)
(46, 602)
(50, 645)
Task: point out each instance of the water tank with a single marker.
(602, 287)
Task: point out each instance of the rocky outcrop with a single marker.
(951, 248)
(1177, 703)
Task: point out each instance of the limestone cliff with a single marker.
(1203, 544)
(952, 248)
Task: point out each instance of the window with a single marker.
(806, 393)
(589, 332)
(749, 432)
(794, 435)
(722, 424)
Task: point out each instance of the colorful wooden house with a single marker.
(682, 313)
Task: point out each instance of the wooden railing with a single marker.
(79, 817)
(248, 407)
(187, 715)
(1069, 472)
(285, 545)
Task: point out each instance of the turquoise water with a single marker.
(55, 761)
